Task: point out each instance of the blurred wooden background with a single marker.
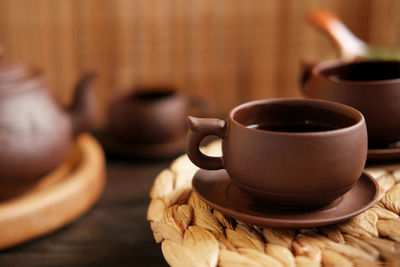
(226, 51)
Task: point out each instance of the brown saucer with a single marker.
(390, 153)
(216, 189)
(142, 151)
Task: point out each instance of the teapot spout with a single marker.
(82, 109)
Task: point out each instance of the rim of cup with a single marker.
(322, 66)
(334, 106)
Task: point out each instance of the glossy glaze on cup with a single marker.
(35, 133)
(151, 116)
(302, 170)
(377, 100)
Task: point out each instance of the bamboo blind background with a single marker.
(226, 51)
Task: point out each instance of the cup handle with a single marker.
(198, 129)
(306, 66)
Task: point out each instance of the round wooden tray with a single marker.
(59, 198)
(193, 234)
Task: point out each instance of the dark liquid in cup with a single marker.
(365, 71)
(360, 77)
(304, 127)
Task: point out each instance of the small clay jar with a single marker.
(148, 116)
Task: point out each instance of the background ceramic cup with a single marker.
(372, 87)
(287, 169)
(150, 116)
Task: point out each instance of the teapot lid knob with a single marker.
(10, 71)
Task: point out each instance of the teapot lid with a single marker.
(11, 72)
(13, 75)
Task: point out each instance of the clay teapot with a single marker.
(35, 133)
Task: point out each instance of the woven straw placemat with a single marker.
(193, 234)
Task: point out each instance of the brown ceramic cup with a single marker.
(372, 87)
(307, 154)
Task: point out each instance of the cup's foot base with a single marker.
(295, 202)
(301, 207)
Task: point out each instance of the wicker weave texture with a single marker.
(193, 234)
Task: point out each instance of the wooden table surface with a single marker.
(113, 233)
